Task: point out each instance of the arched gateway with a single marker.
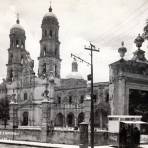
(128, 89)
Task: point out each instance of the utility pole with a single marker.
(92, 48)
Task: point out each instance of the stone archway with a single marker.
(70, 120)
(25, 119)
(81, 117)
(59, 120)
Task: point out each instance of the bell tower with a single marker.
(16, 51)
(49, 59)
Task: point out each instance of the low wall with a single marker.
(28, 135)
(64, 137)
(73, 137)
(6, 145)
(57, 136)
(20, 134)
(113, 139)
(100, 138)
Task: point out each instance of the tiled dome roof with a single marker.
(17, 28)
(49, 16)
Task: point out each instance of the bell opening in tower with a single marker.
(138, 103)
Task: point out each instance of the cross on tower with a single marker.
(17, 16)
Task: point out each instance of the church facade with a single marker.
(46, 98)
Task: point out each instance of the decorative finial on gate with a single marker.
(122, 50)
(139, 41)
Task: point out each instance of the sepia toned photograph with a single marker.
(73, 73)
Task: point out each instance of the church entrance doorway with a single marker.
(70, 119)
(138, 102)
(25, 119)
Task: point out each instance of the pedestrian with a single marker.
(136, 137)
(122, 137)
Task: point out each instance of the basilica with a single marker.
(67, 99)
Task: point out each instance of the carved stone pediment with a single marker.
(131, 66)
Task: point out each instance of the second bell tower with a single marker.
(49, 59)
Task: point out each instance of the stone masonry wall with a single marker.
(57, 136)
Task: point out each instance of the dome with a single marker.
(17, 28)
(74, 75)
(49, 16)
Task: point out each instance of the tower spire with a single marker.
(17, 21)
(50, 8)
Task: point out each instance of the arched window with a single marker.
(11, 42)
(25, 119)
(56, 73)
(11, 74)
(44, 51)
(59, 100)
(81, 117)
(104, 119)
(17, 43)
(44, 68)
(56, 51)
(107, 98)
(97, 118)
(11, 58)
(81, 99)
(25, 96)
(70, 119)
(45, 33)
(59, 120)
(70, 99)
(95, 98)
(22, 44)
(50, 33)
(22, 59)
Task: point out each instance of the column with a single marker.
(13, 114)
(44, 125)
(121, 95)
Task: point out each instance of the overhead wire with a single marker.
(120, 33)
(141, 9)
(129, 17)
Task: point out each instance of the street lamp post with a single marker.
(92, 48)
(90, 77)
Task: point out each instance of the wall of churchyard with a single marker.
(6, 145)
(64, 137)
(20, 134)
(57, 136)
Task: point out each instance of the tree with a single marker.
(4, 110)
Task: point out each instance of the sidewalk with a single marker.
(43, 145)
(49, 145)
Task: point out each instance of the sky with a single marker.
(105, 23)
